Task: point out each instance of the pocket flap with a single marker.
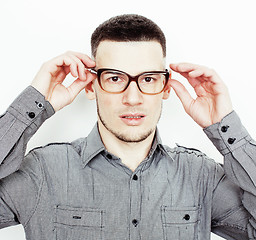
(87, 217)
(179, 215)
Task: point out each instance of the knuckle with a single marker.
(46, 65)
(212, 71)
(68, 53)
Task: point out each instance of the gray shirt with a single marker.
(79, 191)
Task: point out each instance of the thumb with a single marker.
(78, 85)
(182, 94)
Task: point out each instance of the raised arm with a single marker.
(38, 102)
(234, 196)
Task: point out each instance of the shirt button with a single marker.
(135, 222)
(224, 128)
(187, 217)
(231, 140)
(135, 177)
(31, 114)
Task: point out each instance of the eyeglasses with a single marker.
(116, 81)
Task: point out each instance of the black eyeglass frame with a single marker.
(99, 71)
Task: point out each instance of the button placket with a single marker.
(135, 198)
(135, 222)
(135, 177)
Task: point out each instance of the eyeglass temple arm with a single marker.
(92, 70)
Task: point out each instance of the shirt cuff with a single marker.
(31, 107)
(228, 134)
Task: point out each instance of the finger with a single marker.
(83, 61)
(80, 67)
(86, 60)
(189, 68)
(78, 85)
(64, 61)
(62, 75)
(75, 88)
(196, 71)
(183, 67)
(182, 94)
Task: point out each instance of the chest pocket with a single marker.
(180, 223)
(79, 223)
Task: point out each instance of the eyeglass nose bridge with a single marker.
(133, 79)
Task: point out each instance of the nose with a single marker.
(132, 95)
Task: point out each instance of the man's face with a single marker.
(130, 116)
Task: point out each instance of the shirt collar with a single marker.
(94, 145)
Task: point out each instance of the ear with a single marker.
(167, 89)
(166, 92)
(90, 90)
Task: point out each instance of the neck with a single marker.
(130, 153)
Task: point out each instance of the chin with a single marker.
(132, 135)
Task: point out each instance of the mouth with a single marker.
(133, 119)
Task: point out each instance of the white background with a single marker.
(219, 34)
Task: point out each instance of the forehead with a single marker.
(131, 57)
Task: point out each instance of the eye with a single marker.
(114, 79)
(148, 79)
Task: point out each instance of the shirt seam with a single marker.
(230, 149)
(29, 122)
(217, 224)
(8, 221)
(18, 216)
(8, 128)
(39, 193)
(221, 223)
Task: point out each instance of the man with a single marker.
(121, 182)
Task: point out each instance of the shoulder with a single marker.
(192, 158)
(57, 148)
(56, 154)
(195, 164)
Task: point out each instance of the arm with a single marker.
(234, 197)
(38, 102)
(22, 119)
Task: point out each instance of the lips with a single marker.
(133, 119)
(132, 115)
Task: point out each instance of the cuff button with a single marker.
(224, 128)
(231, 140)
(31, 114)
(39, 105)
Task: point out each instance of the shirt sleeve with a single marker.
(21, 120)
(234, 199)
(20, 192)
(20, 176)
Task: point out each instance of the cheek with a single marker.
(155, 107)
(106, 105)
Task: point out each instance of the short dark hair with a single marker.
(127, 28)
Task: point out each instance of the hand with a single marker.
(50, 77)
(213, 101)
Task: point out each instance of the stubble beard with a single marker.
(125, 137)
